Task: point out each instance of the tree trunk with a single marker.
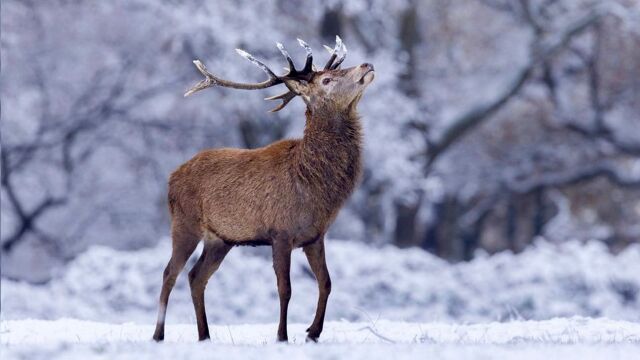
(405, 234)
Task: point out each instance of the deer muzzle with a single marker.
(367, 73)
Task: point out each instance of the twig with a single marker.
(374, 332)
(230, 335)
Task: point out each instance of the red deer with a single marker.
(284, 195)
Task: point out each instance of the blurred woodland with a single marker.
(491, 122)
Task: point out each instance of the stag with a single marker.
(284, 195)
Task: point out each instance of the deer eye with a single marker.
(326, 81)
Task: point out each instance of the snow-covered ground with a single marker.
(545, 281)
(578, 338)
(385, 302)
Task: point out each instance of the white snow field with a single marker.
(545, 281)
(568, 338)
(566, 301)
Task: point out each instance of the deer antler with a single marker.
(305, 74)
(212, 80)
(308, 68)
(330, 65)
(286, 97)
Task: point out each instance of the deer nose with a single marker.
(367, 66)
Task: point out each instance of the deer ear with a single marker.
(300, 88)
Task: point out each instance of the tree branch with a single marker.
(487, 204)
(574, 177)
(472, 118)
(27, 221)
(602, 132)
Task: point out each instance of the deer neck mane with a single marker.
(329, 155)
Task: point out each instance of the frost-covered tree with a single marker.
(487, 125)
(496, 160)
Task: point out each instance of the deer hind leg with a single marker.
(316, 258)
(212, 255)
(185, 241)
(282, 266)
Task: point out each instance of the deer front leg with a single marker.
(282, 265)
(316, 258)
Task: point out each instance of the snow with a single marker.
(385, 302)
(558, 338)
(306, 47)
(340, 45)
(283, 50)
(543, 282)
(255, 61)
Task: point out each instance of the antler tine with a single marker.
(308, 65)
(327, 66)
(333, 52)
(292, 67)
(257, 63)
(293, 74)
(341, 59)
(286, 97)
(202, 84)
(212, 80)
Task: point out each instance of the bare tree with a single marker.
(463, 220)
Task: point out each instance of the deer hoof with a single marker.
(311, 339)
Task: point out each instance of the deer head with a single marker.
(330, 88)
